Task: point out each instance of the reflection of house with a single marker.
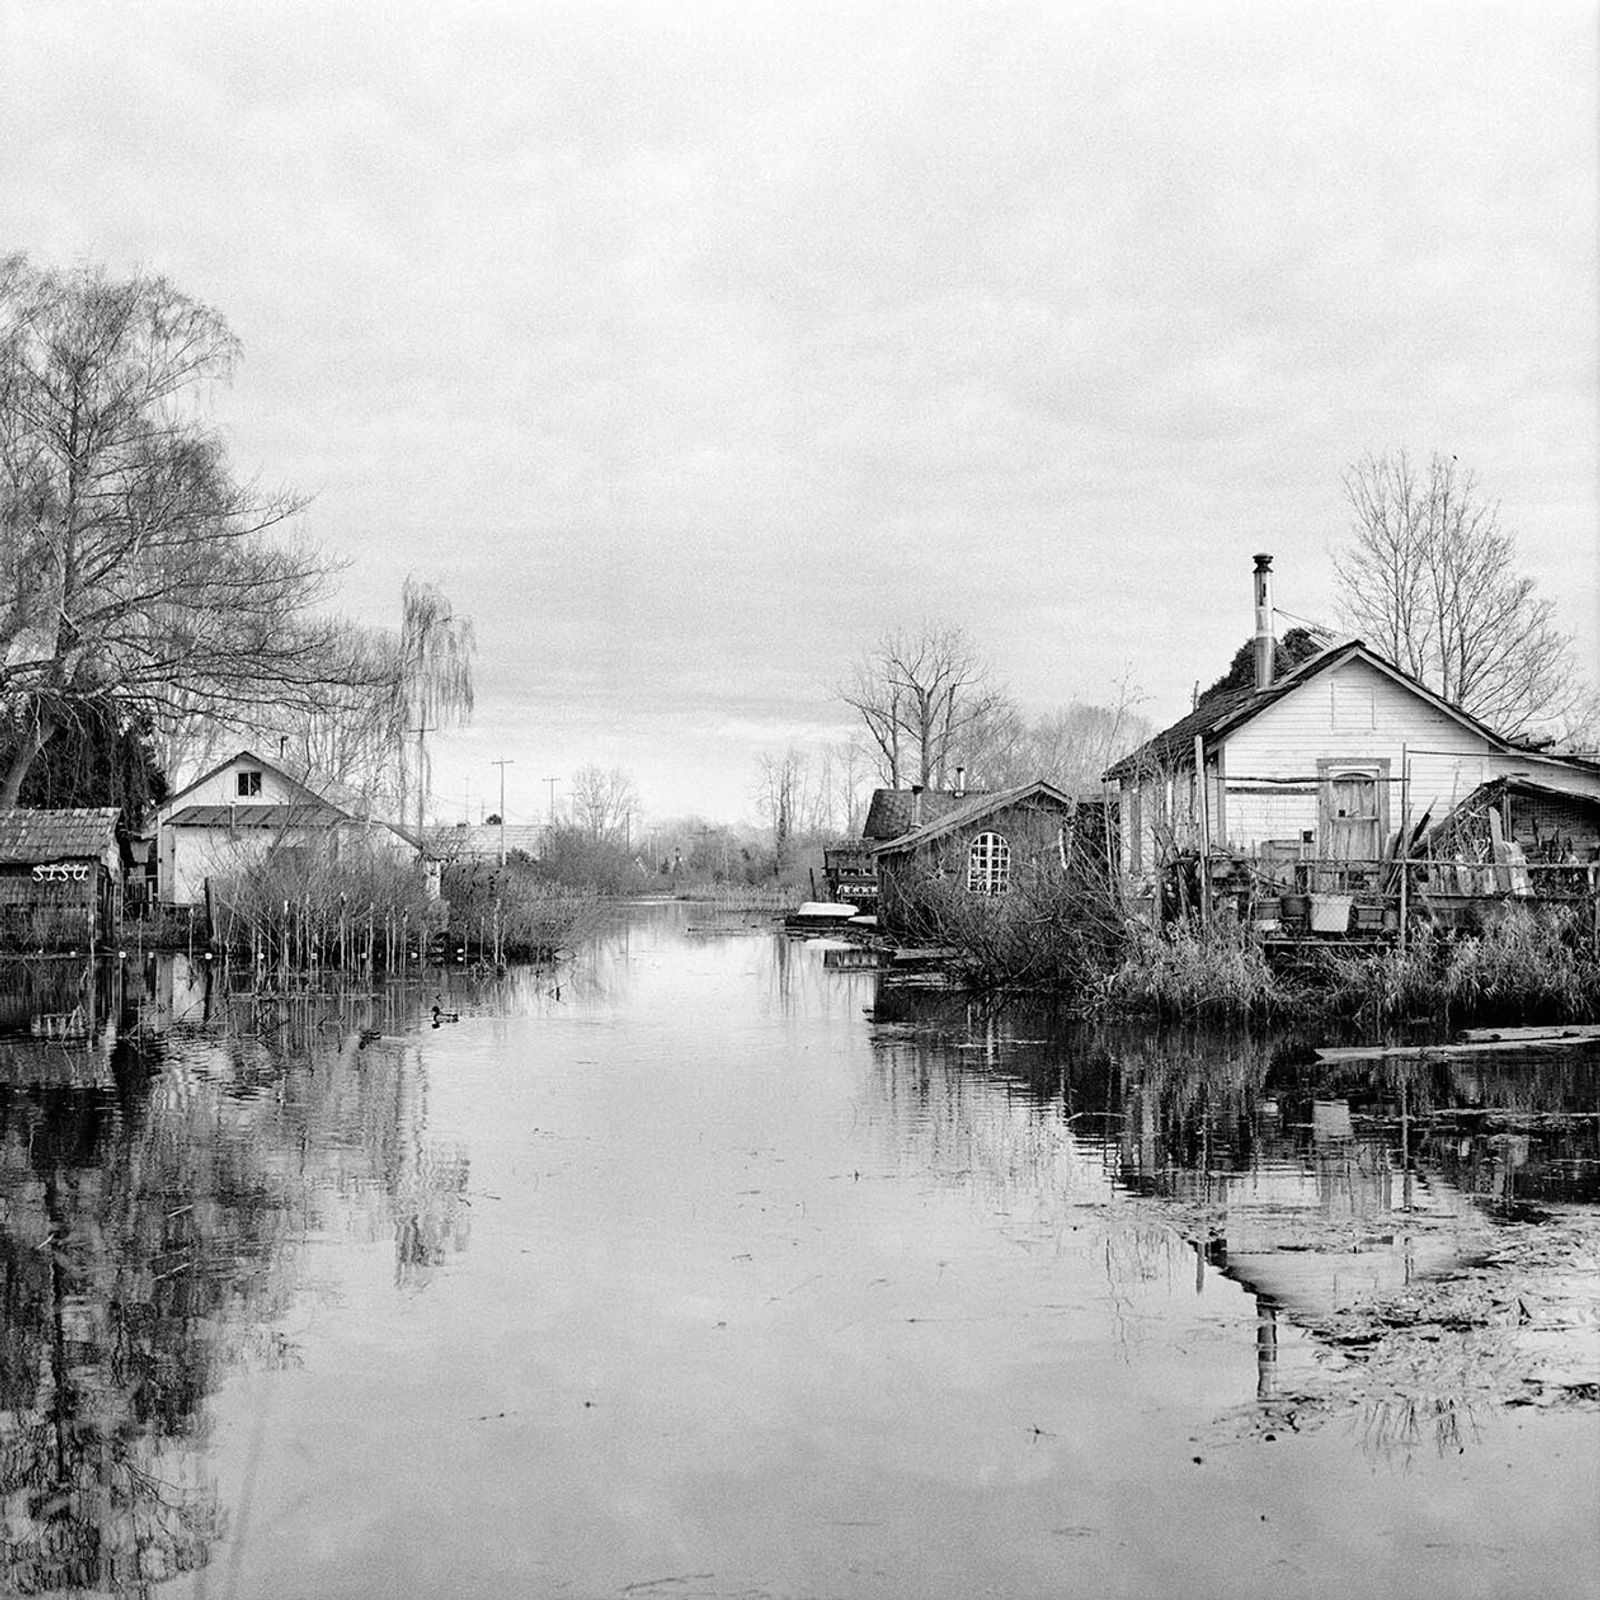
(231, 816)
(60, 876)
(981, 842)
(1321, 764)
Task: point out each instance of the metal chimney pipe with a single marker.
(1264, 641)
(916, 805)
(961, 782)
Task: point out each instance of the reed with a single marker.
(1528, 965)
(1186, 971)
(512, 913)
(335, 902)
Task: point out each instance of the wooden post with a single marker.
(1405, 841)
(1205, 830)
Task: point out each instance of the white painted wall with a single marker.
(1356, 713)
(187, 856)
(191, 855)
(1352, 712)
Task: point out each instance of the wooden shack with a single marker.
(60, 878)
(1297, 799)
(981, 843)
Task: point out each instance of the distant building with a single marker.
(481, 841)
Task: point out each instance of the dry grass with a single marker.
(1527, 966)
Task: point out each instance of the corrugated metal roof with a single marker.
(256, 816)
(30, 835)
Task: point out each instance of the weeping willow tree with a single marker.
(432, 683)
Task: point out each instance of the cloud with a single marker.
(689, 346)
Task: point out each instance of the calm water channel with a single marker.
(709, 1266)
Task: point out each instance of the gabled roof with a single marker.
(1175, 744)
(1218, 717)
(971, 809)
(27, 835)
(250, 758)
(891, 810)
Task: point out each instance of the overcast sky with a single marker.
(688, 347)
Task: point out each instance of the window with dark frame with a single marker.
(249, 784)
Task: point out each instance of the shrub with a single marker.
(1051, 930)
(515, 909)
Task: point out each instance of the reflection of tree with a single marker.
(115, 1296)
(152, 1193)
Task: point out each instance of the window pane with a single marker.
(988, 864)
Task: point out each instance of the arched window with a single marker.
(989, 864)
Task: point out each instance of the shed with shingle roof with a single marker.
(60, 876)
(897, 811)
(980, 840)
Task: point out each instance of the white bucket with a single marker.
(1330, 913)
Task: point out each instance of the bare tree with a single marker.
(1070, 747)
(843, 788)
(344, 738)
(781, 793)
(603, 802)
(132, 564)
(363, 737)
(919, 693)
(1428, 578)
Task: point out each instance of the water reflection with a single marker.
(1329, 1191)
(767, 1249)
(161, 1164)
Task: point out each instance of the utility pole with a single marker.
(422, 781)
(552, 782)
(502, 766)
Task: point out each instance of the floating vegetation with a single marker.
(1429, 1364)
